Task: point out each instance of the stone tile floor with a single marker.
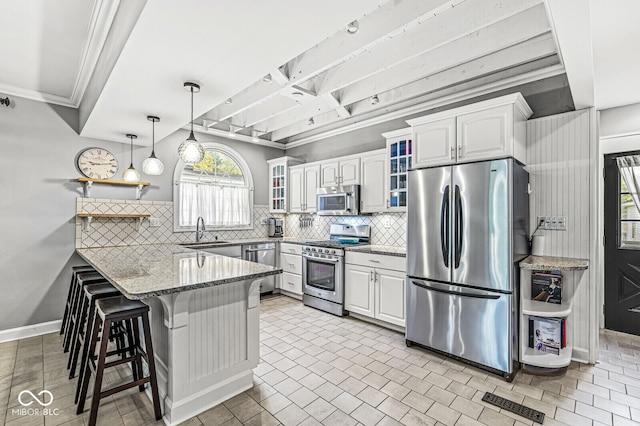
(320, 369)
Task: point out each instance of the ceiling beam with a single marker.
(375, 27)
(453, 25)
(432, 65)
(499, 36)
(236, 136)
(342, 111)
(425, 103)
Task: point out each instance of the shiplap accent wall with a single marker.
(560, 165)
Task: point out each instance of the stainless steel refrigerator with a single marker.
(467, 230)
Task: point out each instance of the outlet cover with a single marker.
(553, 223)
(386, 222)
(154, 222)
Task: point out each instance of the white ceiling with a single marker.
(413, 54)
(44, 46)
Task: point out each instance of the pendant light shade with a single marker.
(190, 151)
(131, 174)
(153, 166)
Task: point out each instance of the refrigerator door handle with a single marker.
(444, 226)
(459, 227)
(479, 295)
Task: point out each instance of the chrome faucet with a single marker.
(200, 229)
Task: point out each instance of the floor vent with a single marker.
(514, 407)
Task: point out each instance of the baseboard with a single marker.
(29, 331)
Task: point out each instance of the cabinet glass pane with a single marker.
(403, 165)
(402, 181)
(409, 147)
(394, 182)
(403, 148)
(394, 166)
(394, 150)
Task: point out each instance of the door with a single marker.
(481, 240)
(621, 253)
(311, 183)
(399, 156)
(435, 143)
(373, 177)
(390, 296)
(485, 134)
(296, 189)
(469, 323)
(429, 224)
(329, 173)
(359, 293)
(320, 278)
(350, 172)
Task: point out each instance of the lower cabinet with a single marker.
(375, 293)
(291, 264)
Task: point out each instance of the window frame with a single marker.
(246, 172)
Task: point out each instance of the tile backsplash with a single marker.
(386, 229)
(123, 231)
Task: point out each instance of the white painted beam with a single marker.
(236, 137)
(342, 111)
(269, 107)
(301, 114)
(422, 103)
(499, 36)
(465, 20)
(433, 66)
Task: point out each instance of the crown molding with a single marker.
(35, 95)
(102, 16)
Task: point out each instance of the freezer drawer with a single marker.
(475, 325)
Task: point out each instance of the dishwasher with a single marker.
(264, 254)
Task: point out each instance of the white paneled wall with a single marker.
(560, 164)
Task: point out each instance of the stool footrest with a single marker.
(125, 386)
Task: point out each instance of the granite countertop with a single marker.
(146, 271)
(551, 263)
(386, 250)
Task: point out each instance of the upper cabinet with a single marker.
(344, 172)
(303, 187)
(372, 179)
(481, 131)
(399, 161)
(279, 183)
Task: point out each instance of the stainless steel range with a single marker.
(323, 267)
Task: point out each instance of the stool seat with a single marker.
(119, 305)
(99, 289)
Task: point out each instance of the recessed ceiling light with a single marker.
(267, 78)
(228, 101)
(374, 99)
(353, 27)
(311, 122)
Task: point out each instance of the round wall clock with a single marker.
(97, 163)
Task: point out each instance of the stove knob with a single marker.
(326, 250)
(333, 252)
(313, 249)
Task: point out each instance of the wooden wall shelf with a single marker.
(88, 182)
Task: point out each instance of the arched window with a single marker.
(219, 188)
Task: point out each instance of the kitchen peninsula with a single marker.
(204, 319)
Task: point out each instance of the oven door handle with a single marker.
(322, 260)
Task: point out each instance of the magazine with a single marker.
(546, 286)
(546, 334)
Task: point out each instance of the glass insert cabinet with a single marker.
(399, 150)
(279, 183)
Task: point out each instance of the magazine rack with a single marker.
(571, 274)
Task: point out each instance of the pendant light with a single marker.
(190, 151)
(131, 174)
(152, 166)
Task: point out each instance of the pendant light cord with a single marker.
(191, 110)
(153, 136)
(131, 139)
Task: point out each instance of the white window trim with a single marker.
(177, 174)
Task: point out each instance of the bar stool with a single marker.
(108, 311)
(82, 279)
(74, 272)
(92, 292)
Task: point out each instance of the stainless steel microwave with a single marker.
(339, 200)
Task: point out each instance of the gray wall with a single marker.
(37, 201)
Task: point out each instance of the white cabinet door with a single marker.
(485, 134)
(390, 296)
(311, 183)
(359, 291)
(373, 177)
(350, 172)
(329, 174)
(296, 189)
(434, 143)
